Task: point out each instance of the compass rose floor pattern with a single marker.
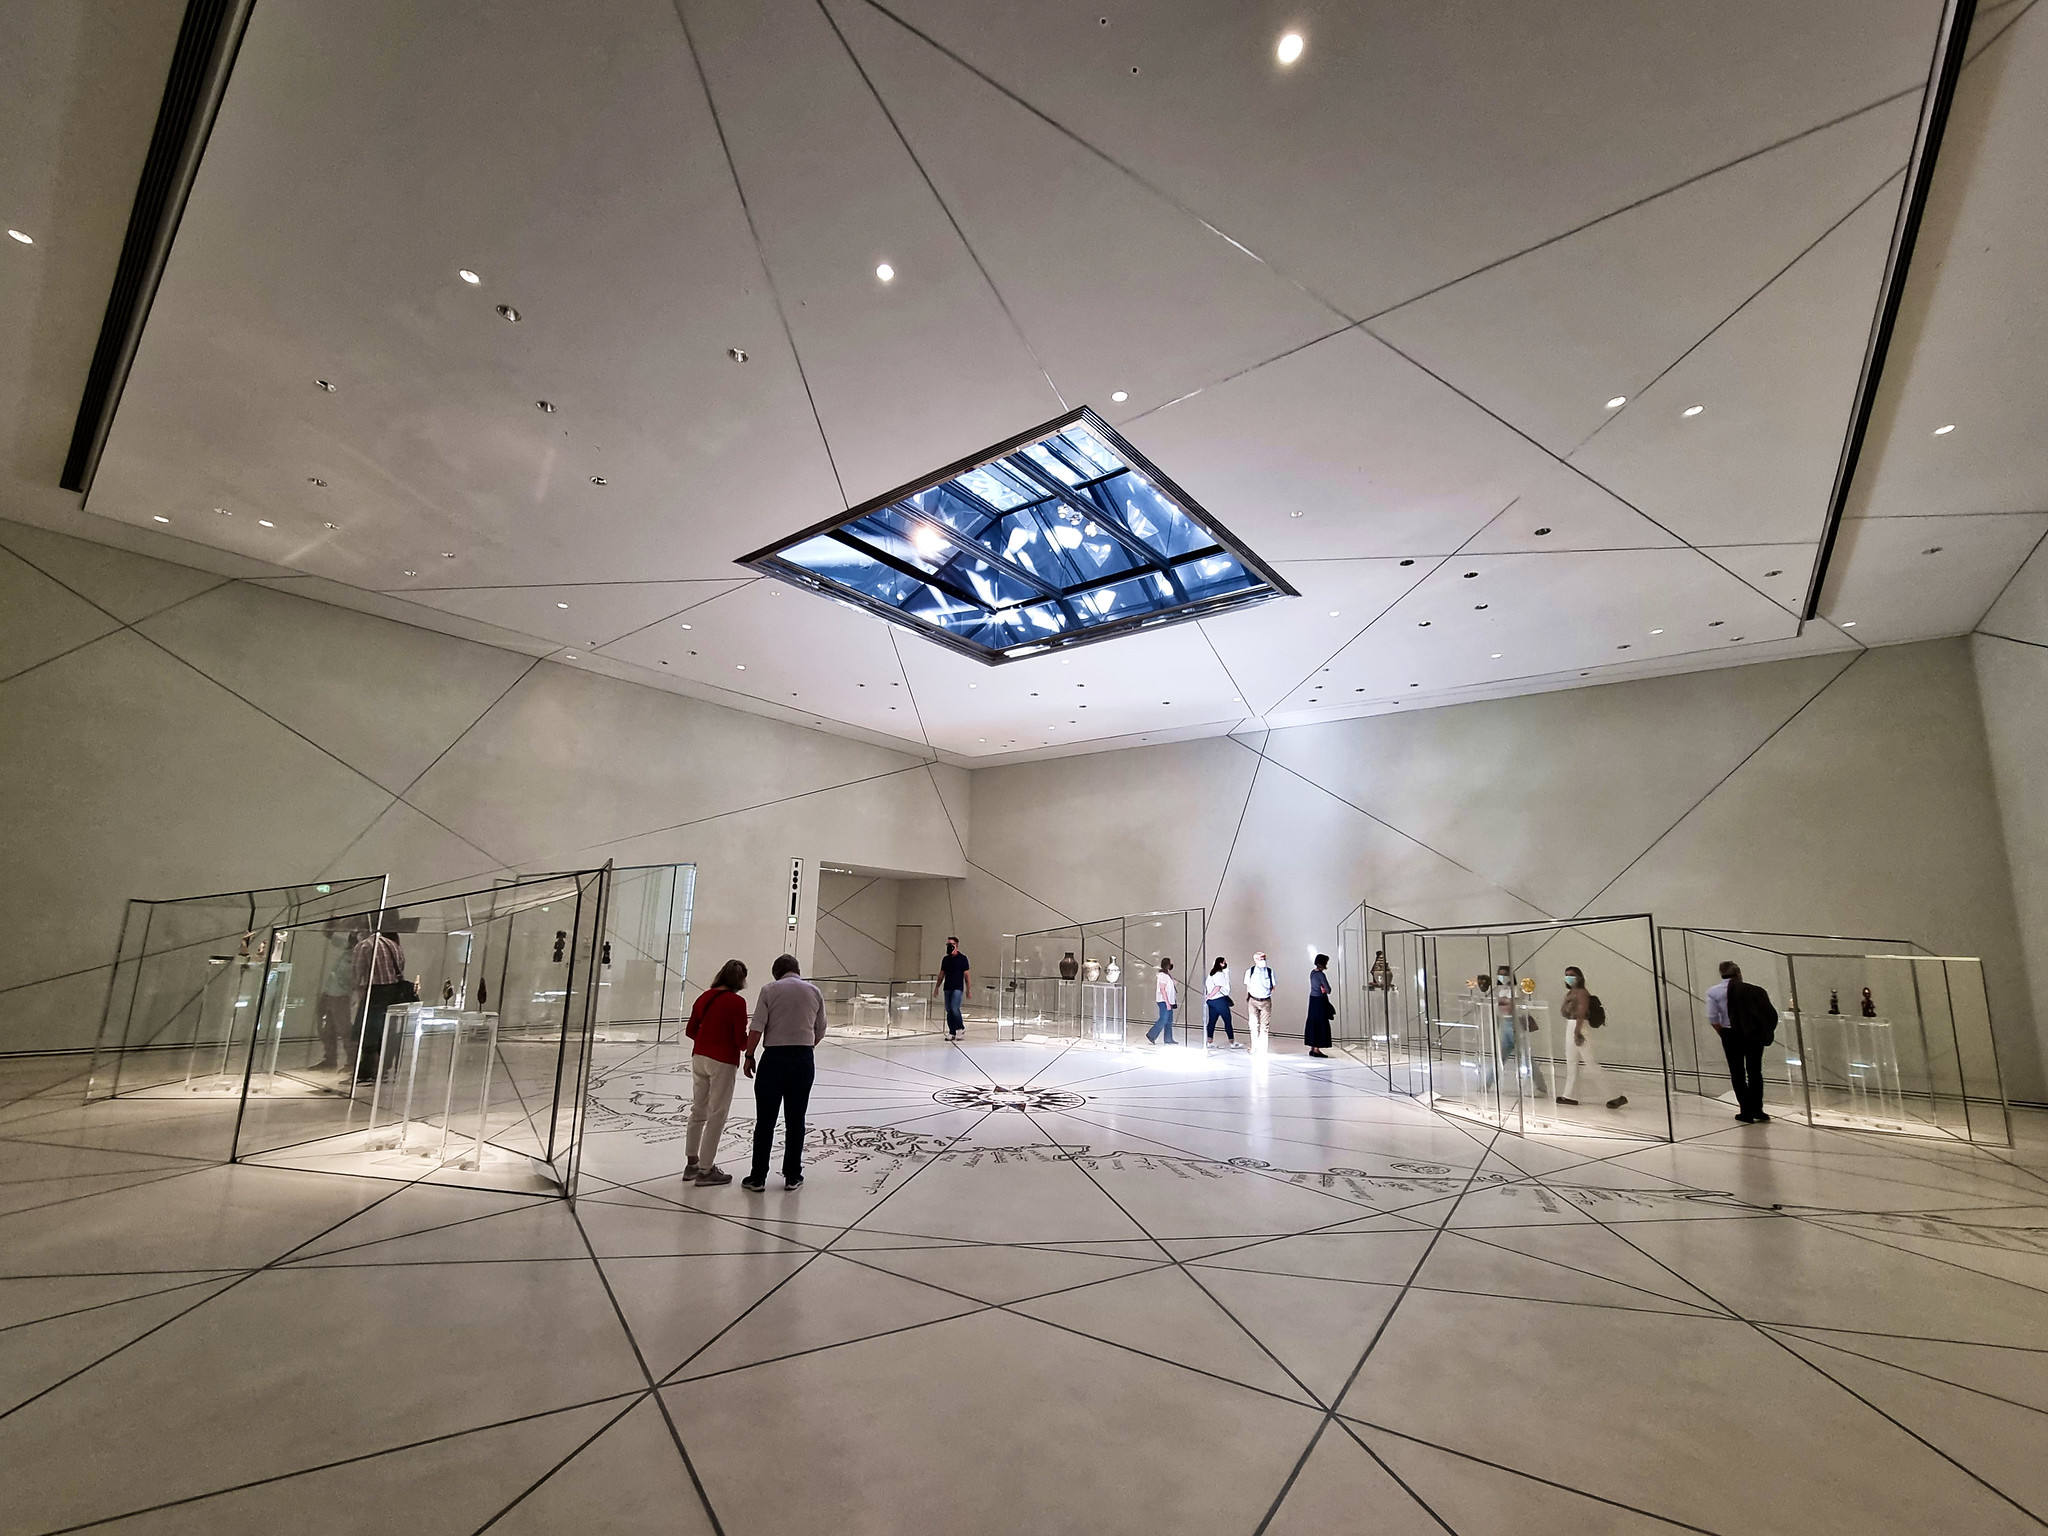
(1028, 1289)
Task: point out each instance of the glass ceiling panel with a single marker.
(1060, 536)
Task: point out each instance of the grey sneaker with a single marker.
(692, 1169)
(711, 1176)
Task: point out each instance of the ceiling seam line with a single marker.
(1988, 634)
(760, 251)
(1159, 192)
(932, 187)
(1038, 900)
(742, 810)
(689, 608)
(1408, 591)
(1614, 416)
(1574, 468)
(2026, 559)
(909, 690)
(1223, 874)
(1739, 765)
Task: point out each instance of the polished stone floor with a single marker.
(1029, 1290)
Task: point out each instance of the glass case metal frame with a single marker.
(1032, 998)
(1924, 1064)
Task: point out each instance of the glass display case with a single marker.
(1873, 1034)
(1484, 1016)
(646, 954)
(860, 1009)
(466, 1053)
(185, 998)
(1042, 991)
(1377, 1022)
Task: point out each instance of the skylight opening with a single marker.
(1062, 536)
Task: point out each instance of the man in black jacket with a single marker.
(1747, 1021)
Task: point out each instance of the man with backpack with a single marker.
(1746, 1019)
(1583, 1014)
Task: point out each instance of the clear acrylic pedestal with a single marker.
(1102, 1011)
(233, 985)
(433, 1089)
(1861, 1056)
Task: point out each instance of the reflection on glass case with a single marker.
(1550, 1027)
(879, 1010)
(187, 1015)
(646, 954)
(464, 1052)
(1044, 991)
(1873, 1034)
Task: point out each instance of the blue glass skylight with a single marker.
(1060, 537)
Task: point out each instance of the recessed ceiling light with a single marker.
(447, 554)
(1692, 410)
(1932, 549)
(15, 234)
(684, 626)
(1715, 623)
(1656, 631)
(1623, 646)
(332, 527)
(1944, 431)
(1542, 532)
(886, 273)
(223, 511)
(1773, 573)
(737, 354)
(1304, 514)
(572, 656)
(1415, 685)
(509, 313)
(316, 481)
(741, 667)
(412, 573)
(1470, 574)
(1480, 607)
(1848, 623)
(981, 738)
(546, 407)
(1119, 396)
(561, 605)
(1407, 562)
(1496, 657)
(264, 522)
(161, 518)
(1290, 48)
(325, 385)
(467, 276)
(1333, 613)
(599, 480)
(1617, 402)
(1425, 624)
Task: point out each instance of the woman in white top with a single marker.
(1169, 999)
(1217, 993)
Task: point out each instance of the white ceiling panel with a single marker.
(1548, 339)
(582, 617)
(1416, 141)
(1912, 578)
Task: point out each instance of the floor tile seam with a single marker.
(1900, 1425)
(1678, 1309)
(104, 1173)
(772, 1290)
(1398, 1480)
(239, 1280)
(1931, 1258)
(101, 1306)
(675, 1379)
(534, 1487)
(345, 1461)
(1358, 1205)
(950, 1082)
(1193, 1279)
(1574, 1269)
(1908, 1370)
(1350, 1380)
(1057, 1057)
(1801, 1330)
(142, 1183)
(1534, 1477)
(647, 1374)
(1780, 1344)
(444, 1226)
(988, 1081)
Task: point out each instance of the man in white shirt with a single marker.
(787, 1026)
(1258, 992)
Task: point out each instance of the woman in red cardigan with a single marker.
(718, 1025)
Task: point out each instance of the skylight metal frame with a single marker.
(1100, 520)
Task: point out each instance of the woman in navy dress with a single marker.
(1319, 1008)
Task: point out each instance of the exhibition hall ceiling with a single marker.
(1520, 340)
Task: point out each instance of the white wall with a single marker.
(1840, 794)
(2010, 649)
(166, 733)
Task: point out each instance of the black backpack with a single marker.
(1596, 1016)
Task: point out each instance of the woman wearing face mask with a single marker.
(1217, 994)
(1582, 1015)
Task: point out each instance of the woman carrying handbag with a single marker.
(1320, 1009)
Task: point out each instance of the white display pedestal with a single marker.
(1102, 1012)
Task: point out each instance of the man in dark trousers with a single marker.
(788, 1024)
(955, 979)
(1747, 1021)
